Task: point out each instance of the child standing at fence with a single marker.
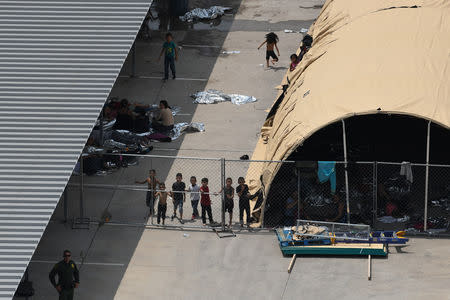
(244, 202)
(177, 193)
(194, 191)
(205, 202)
(229, 201)
(152, 184)
(162, 204)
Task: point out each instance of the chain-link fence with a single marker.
(260, 194)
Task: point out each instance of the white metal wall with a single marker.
(58, 62)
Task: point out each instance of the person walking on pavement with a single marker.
(68, 277)
(169, 48)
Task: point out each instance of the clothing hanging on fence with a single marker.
(406, 170)
(326, 171)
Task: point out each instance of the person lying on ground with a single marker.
(271, 41)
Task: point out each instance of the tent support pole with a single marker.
(298, 195)
(425, 217)
(347, 197)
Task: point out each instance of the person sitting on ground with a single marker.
(164, 121)
(271, 41)
(142, 122)
(109, 113)
(162, 203)
(340, 215)
(290, 212)
(294, 62)
(124, 120)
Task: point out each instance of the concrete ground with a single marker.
(134, 262)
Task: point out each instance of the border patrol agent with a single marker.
(68, 277)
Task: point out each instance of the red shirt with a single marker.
(205, 200)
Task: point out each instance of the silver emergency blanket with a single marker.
(92, 150)
(204, 13)
(215, 96)
(180, 128)
(111, 145)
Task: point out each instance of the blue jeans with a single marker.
(178, 204)
(169, 61)
(195, 207)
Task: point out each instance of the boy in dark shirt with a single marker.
(244, 204)
(169, 48)
(229, 195)
(178, 196)
(205, 202)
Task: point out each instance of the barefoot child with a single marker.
(205, 202)
(271, 41)
(152, 183)
(162, 204)
(229, 195)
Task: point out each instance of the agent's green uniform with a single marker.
(68, 275)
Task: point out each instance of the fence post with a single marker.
(375, 193)
(222, 184)
(347, 196)
(133, 60)
(65, 205)
(425, 214)
(297, 164)
(81, 188)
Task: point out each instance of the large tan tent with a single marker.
(368, 57)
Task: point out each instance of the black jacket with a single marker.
(67, 274)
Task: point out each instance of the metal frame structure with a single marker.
(58, 62)
(224, 165)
